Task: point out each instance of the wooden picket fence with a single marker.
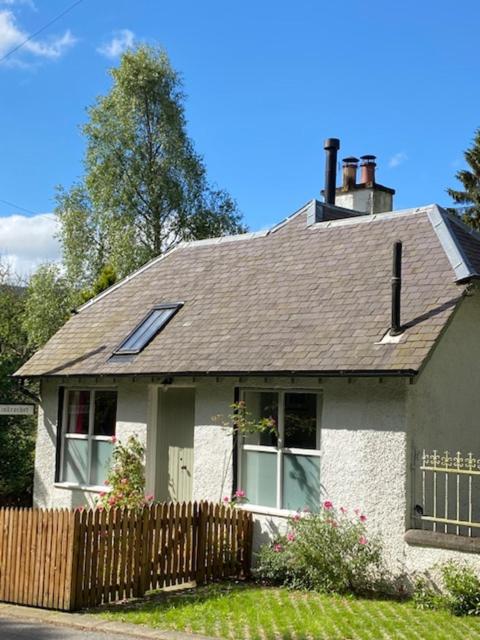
(69, 560)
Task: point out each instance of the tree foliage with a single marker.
(48, 302)
(145, 188)
(17, 434)
(469, 197)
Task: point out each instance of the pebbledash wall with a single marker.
(370, 429)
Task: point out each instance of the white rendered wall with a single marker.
(213, 443)
(443, 411)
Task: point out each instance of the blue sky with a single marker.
(266, 82)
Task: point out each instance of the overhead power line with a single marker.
(39, 31)
(17, 206)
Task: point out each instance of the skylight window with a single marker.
(148, 328)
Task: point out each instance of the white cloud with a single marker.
(11, 3)
(121, 41)
(397, 159)
(27, 241)
(11, 35)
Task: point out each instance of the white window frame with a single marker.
(89, 437)
(280, 450)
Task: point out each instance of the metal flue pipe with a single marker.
(396, 327)
(331, 146)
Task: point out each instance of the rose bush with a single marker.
(328, 551)
(125, 483)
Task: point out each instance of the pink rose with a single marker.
(290, 537)
(297, 517)
(240, 493)
(277, 548)
(343, 510)
(113, 439)
(149, 497)
(362, 540)
(80, 509)
(226, 499)
(328, 504)
(102, 494)
(356, 511)
(100, 508)
(112, 501)
(363, 518)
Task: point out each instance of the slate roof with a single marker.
(298, 298)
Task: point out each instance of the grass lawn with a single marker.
(251, 612)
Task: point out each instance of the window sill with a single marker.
(267, 511)
(81, 487)
(449, 541)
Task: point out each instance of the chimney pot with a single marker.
(367, 167)
(350, 166)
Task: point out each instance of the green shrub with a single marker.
(327, 552)
(460, 592)
(463, 589)
(426, 597)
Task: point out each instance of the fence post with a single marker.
(72, 561)
(201, 541)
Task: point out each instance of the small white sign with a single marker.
(17, 409)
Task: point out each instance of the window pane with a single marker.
(101, 454)
(105, 413)
(77, 411)
(301, 420)
(75, 461)
(259, 477)
(146, 331)
(301, 482)
(262, 404)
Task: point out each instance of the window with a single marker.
(148, 328)
(282, 470)
(89, 424)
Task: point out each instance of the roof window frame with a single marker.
(174, 306)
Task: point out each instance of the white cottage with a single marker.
(369, 388)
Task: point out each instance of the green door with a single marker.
(176, 412)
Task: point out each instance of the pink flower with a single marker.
(149, 497)
(111, 501)
(106, 482)
(363, 518)
(343, 510)
(297, 517)
(290, 537)
(124, 480)
(80, 509)
(356, 511)
(277, 548)
(328, 504)
(113, 439)
(306, 510)
(102, 494)
(226, 499)
(362, 540)
(240, 493)
(100, 508)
